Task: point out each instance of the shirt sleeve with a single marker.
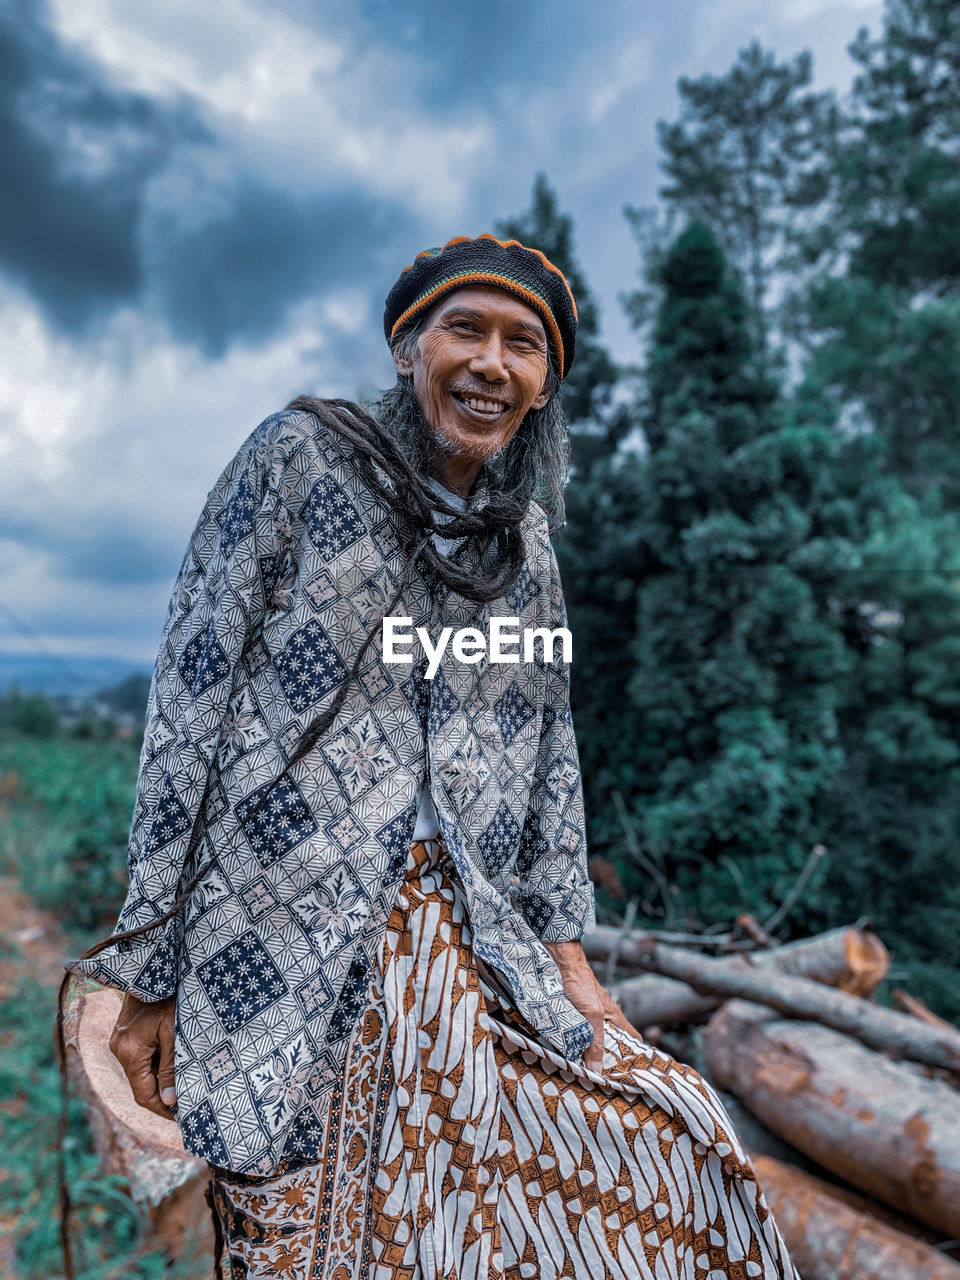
(217, 602)
(555, 894)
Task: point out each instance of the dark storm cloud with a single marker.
(75, 157)
(467, 51)
(117, 556)
(235, 276)
(105, 552)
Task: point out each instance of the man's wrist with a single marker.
(568, 955)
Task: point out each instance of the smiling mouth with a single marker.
(480, 406)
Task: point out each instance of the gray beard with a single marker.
(400, 412)
(436, 442)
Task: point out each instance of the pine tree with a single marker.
(588, 387)
(596, 422)
(884, 315)
(882, 324)
(747, 157)
(892, 813)
(735, 665)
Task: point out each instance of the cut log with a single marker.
(830, 1240)
(756, 1137)
(166, 1181)
(652, 1001)
(894, 1033)
(850, 959)
(880, 1125)
(850, 950)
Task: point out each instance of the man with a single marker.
(357, 885)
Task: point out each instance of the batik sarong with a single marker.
(460, 1147)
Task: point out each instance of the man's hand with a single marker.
(587, 995)
(142, 1042)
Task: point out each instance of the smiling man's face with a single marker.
(480, 366)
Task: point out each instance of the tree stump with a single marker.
(166, 1181)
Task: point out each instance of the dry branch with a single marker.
(830, 1240)
(913, 1005)
(881, 1125)
(798, 890)
(894, 1033)
(852, 959)
(748, 924)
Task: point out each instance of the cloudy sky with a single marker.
(205, 205)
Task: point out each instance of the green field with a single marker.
(64, 814)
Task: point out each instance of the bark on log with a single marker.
(893, 1033)
(757, 1138)
(851, 959)
(882, 1126)
(166, 1181)
(652, 1001)
(830, 1240)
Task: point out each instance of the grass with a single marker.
(109, 1235)
(65, 809)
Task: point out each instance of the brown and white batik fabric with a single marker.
(460, 1147)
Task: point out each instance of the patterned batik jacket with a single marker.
(291, 564)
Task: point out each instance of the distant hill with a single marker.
(79, 676)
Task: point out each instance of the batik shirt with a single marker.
(293, 561)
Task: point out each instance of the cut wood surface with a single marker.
(851, 959)
(891, 1032)
(830, 1240)
(168, 1182)
(881, 1125)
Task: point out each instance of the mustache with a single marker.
(479, 393)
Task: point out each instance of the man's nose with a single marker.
(488, 359)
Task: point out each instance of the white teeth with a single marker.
(483, 406)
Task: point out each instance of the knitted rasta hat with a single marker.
(505, 264)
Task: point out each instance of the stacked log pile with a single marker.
(851, 1110)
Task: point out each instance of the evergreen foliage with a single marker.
(765, 595)
(747, 157)
(735, 661)
(882, 321)
(883, 316)
(588, 387)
